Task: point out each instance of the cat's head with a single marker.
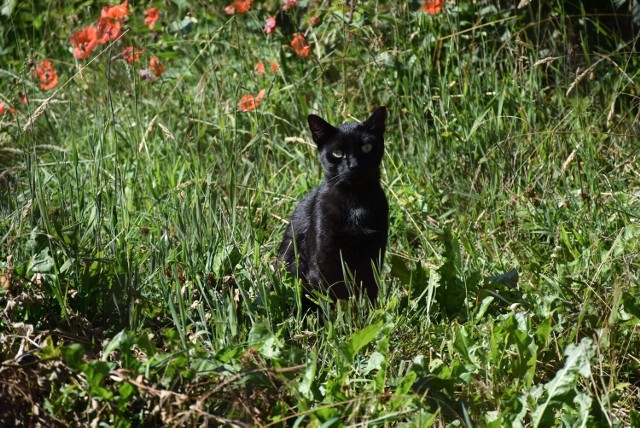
(350, 153)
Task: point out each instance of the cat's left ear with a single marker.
(320, 128)
(375, 124)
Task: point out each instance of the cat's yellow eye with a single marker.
(366, 148)
(337, 153)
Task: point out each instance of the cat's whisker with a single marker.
(331, 181)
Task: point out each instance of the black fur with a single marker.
(346, 217)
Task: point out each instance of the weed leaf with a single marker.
(360, 339)
(72, 355)
(577, 364)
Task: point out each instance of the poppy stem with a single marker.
(353, 6)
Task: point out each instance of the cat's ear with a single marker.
(375, 124)
(320, 128)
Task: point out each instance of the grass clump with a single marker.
(140, 213)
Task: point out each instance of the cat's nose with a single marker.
(352, 164)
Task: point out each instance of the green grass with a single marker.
(139, 221)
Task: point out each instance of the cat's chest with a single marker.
(347, 215)
(358, 215)
(359, 218)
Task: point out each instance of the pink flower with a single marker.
(289, 3)
(270, 26)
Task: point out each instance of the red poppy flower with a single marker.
(84, 41)
(314, 20)
(238, 6)
(116, 12)
(46, 74)
(156, 67)
(131, 54)
(151, 16)
(270, 26)
(260, 68)
(23, 98)
(289, 3)
(300, 45)
(432, 6)
(4, 107)
(249, 102)
(108, 29)
(110, 21)
(274, 66)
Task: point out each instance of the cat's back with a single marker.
(298, 227)
(302, 214)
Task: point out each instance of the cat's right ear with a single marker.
(320, 128)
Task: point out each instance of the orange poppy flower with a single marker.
(238, 6)
(116, 12)
(314, 20)
(274, 66)
(151, 16)
(4, 107)
(300, 45)
(432, 6)
(110, 21)
(249, 102)
(46, 74)
(270, 26)
(131, 54)
(108, 29)
(156, 67)
(84, 41)
(260, 68)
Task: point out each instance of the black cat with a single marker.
(345, 219)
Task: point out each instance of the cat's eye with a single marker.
(366, 148)
(337, 153)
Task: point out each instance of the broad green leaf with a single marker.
(306, 384)
(509, 279)
(375, 362)
(123, 341)
(126, 390)
(332, 422)
(400, 270)
(96, 371)
(42, 262)
(72, 355)
(7, 7)
(49, 350)
(406, 383)
(583, 406)
(543, 332)
(577, 363)
(360, 339)
(261, 338)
